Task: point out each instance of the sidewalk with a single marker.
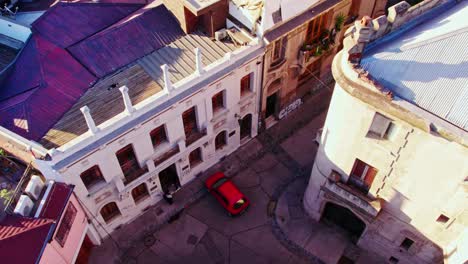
(252, 167)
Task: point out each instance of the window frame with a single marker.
(140, 195)
(128, 164)
(109, 218)
(218, 144)
(381, 126)
(406, 244)
(218, 102)
(66, 224)
(97, 178)
(158, 136)
(246, 84)
(191, 126)
(194, 162)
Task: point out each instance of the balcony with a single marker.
(351, 196)
(166, 155)
(194, 136)
(132, 173)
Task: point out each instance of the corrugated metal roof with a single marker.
(67, 23)
(428, 65)
(142, 33)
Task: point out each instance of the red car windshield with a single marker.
(218, 183)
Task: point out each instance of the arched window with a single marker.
(140, 192)
(110, 211)
(220, 140)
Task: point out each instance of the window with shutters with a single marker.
(315, 29)
(217, 101)
(140, 192)
(66, 225)
(362, 176)
(92, 176)
(129, 164)
(195, 157)
(279, 51)
(220, 140)
(110, 211)
(189, 120)
(158, 136)
(382, 127)
(245, 84)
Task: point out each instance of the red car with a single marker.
(227, 194)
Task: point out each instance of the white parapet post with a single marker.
(167, 79)
(127, 102)
(198, 61)
(89, 120)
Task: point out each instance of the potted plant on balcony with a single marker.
(339, 21)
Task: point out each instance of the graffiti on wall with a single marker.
(290, 108)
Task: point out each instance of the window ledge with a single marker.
(219, 114)
(277, 64)
(96, 189)
(246, 96)
(161, 148)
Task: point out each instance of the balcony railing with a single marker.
(166, 155)
(352, 197)
(133, 173)
(194, 136)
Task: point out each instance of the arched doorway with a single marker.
(245, 126)
(344, 218)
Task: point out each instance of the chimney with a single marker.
(89, 120)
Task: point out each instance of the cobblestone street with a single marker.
(202, 232)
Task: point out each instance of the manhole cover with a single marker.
(149, 241)
(192, 240)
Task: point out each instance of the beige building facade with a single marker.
(392, 169)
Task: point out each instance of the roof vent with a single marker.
(34, 187)
(24, 206)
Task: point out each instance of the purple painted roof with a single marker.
(68, 23)
(49, 76)
(132, 38)
(62, 81)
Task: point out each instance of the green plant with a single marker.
(339, 21)
(2, 152)
(6, 195)
(318, 51)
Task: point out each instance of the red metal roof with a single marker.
(56, 201)
(22, 239)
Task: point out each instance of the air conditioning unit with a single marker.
(34, 187)
(220, 34)
(24, 206)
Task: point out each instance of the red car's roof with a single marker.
(230, 192)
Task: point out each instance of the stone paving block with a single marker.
(149, 257)
(274, 177)
(243, 255)
(231, 165)
(265, 163)
(328, 246)
(297, 212)
(177, 234)
(248, 151)
(165, 253)
(270, 246)
(247, 178)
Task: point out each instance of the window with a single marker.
(158, 136)
(140, 192)
(315, 29)
(220, 140)
(381, 127)
(406, 244)
(195, 157)
(393, 260)
(190, 122)
(127, 160)
(110, 211)
(279, 51)
(92, 176)
(362, 176)
(217, 101)
(245, 84)
(66, 225)
(443, 219)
